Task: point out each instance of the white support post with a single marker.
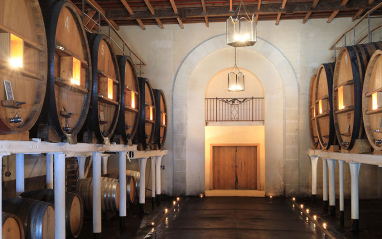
(314, 159)
(153, 181)
(81, 166)
(122, 188)
(97, 219)
(341, 182)
(142, 189)
(325, 184)
(105, 158)
(49, 171)
(1, 195)
(19, 174)
(354, 171)
(332, 186)
(59, 196)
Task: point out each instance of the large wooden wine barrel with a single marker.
(128, 115)
(324, 105)
(109, 193)
(137, 179)
(36, 216)
(315, 144)
(12, 227)
(23, 66)
(69, 87)
(372, 101)
(74, 212)
(160, 119)
(347, 92)
(146, 126)
(106, 95)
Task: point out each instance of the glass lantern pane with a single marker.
(231, 81)
(231, 27)
(240, 82)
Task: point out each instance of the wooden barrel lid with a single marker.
(75, 215)
(48, 223)
(145, 134)
(312, 115)
(132, 188)
(69, 74)
(347, 92)
(324, 105)
(129, 114)
(23, 65)
(372, 101)
(160, 119)
(12, 227)
(106, 95)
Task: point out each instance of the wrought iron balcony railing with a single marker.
(234, 109)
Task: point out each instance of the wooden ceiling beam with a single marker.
(206, 20)
(230, 5)
(258, 4)
(283, 4)
(278, 19)
(130, 11)
(174, 6)
(292, 8)
(141, 24)
(180, 23)
(334, 14)
(205, 11)
(360, 11)
(115, 25)
(90, 14)
(159, 23)
(310, 13)
(150, 7)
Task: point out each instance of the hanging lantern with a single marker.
(241, 29)
(235, 79)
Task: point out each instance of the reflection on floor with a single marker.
(235, 217)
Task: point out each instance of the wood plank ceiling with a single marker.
(162, 12)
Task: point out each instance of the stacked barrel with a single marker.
(348, 100)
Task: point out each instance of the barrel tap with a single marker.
(67, 116)
(378, 141)
(17, 119)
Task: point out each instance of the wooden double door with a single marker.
(234, 167)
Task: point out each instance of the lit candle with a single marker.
(165, 210)
(307, 211)
(201, 195)
(315, 217)
(152, 223)
(375, 100)
(324, 225)
(294, 199)
(302, 205)
(174, 202)
(270, 197)
(177, 199)
(17, 51)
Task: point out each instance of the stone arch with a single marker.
(188, 153)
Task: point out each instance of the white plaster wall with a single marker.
(305, 46)
(235, 135)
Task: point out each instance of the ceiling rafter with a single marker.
(258, 8)
(279, 14)
(173, 5)
(334, 14)
(310, 13)
(150, 7)
(130, 11)
(205, 11)
(115, 25)
(360, 11)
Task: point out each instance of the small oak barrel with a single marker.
(106, 94)
(323, 90)
(128, 116)
(137, 178)
(74, 212)
(23, 67)
(131, 188)
(68, 92)
(12, 227)
(160, 119)
(312, 115)
(372, 101)
(109, 193)
(36, 216)
(347, 92)
(146, 126)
